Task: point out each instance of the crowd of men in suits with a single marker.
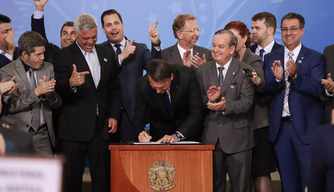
(81, 97)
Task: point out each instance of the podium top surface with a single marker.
(131, 147)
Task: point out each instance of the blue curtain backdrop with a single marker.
(211, 16)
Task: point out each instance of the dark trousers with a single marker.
(238, 167)
(293, 158)
(98, 155)
(126, 129)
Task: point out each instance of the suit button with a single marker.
(27, 125)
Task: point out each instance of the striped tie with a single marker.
(287, 86)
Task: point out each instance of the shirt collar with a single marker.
(268, 48)
(181, 50)
(226, 66)
(295, 52)
(122, 43)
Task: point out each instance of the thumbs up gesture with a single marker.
(77, 78)
(129, 49)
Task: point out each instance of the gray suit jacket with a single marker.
(259, 109)
(20, 102)
(329, 68)
(172, 54)
(233, 126)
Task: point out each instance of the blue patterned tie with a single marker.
(261, 53)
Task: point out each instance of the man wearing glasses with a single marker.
(185, 51)
(293, 75)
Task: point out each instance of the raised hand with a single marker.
(186, 58)
(6, 86)
(197, 61)
(213, 93)
(220, 106)
(328, 83)
(129, 49)
(291, 67)
(45, 87)
(77, 78)
(10, 35)
(153, 33)
(39, 4)
(277, 70)
(11, 86)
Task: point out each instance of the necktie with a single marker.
(167, 102)
(221, 77)
(287, 87)
(35, 122)
(3, 53)
(118, 51)
(261, 53)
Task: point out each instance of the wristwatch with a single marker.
(179, 135)
(156, 44)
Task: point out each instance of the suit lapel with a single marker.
(230, 74)
(176, 55)
(22, 73)
(213, 74)
(103, 64)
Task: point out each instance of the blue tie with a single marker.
(3, 53)
(118, 51)
(261, 53)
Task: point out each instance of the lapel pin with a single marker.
(299, 61)
(233, 73)
(39, 80)
(232, 86)
(197, 53)
(105, 60)
(302, 57)
(177, 87)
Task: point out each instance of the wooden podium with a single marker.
(141, 168)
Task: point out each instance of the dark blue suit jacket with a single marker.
(4, 60)
(275, 47)
(130, 71)
(304, 96)
(321, 172)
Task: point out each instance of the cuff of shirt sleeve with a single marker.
(38, 14)
(329, 94)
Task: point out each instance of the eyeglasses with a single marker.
(193, 30)
(292, 30)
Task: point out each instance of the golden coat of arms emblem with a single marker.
(162, 173)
